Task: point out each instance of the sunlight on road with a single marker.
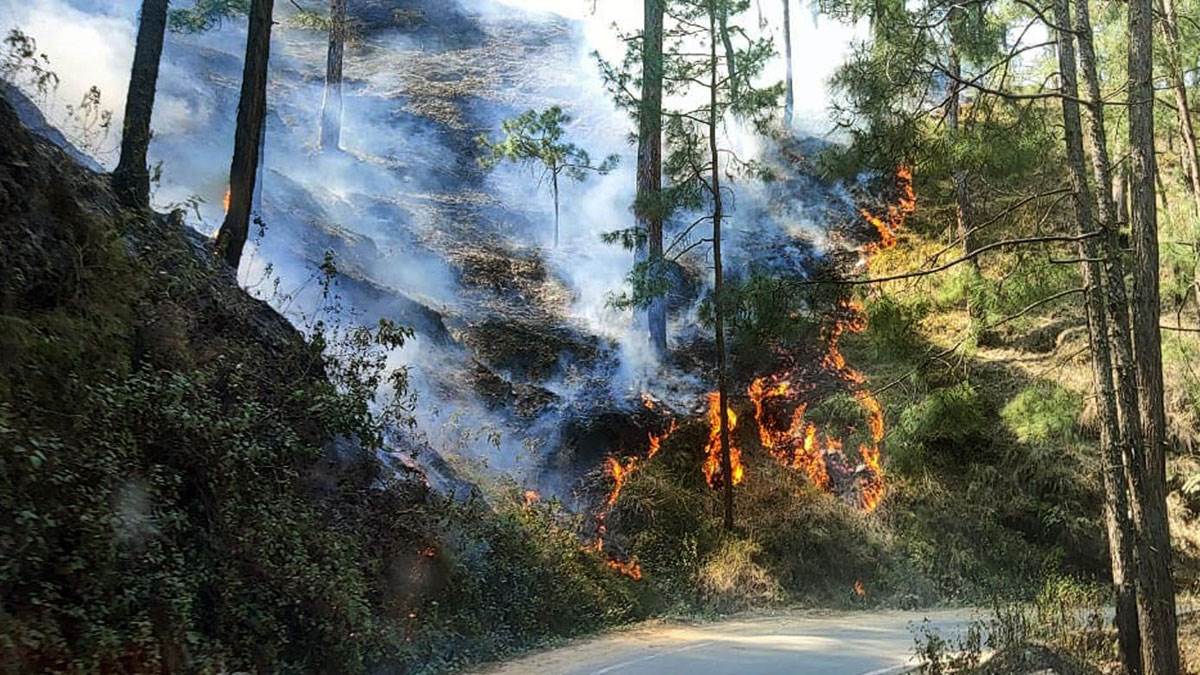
(841, 643)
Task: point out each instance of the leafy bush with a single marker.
(513, 577)
(942, 427)
(1043, 413)
(195, 487)
(892, 328)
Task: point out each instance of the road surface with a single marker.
(796, 643)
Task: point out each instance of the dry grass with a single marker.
(732, 580)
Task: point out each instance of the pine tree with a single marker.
(789, 100)
(131, 179)
(331, 104)
(1156, 590)
(539, 139)
(647, 208)
(695, 158)
(247, 142)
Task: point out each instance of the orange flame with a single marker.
(889, 224)
(227, 199)
(629, 568)
(712, 451)
(800, 446)
(620, 473)
(873, 488)
(657, 439)
(796, 446)
(859, 589)
(531, 497)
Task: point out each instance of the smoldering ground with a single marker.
(518, 350)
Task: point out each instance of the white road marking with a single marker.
(650, 657)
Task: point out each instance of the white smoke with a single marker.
(364, 198)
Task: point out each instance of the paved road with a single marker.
(799, 643)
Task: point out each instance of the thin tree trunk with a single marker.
(331, 105)
(789, 101)
(1170, 24)
(962, 197)
(554, 181)
(131, 179)
(718, 272)
(1121, 195)
(1156, 598)
(247, 139)
(1120, 531)
(1161, 187)
(730, 53)
(647, 209)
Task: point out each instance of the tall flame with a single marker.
(797, 445)
(800, 445)
(713, 472)
(888, 224)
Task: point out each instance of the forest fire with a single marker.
(629, 568)
(798, 444)
(893, 221)
(620, 472)
(712, 451)
(779, 412)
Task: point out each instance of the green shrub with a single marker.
(1044, 413)
(946, 425)
(892, 328)
(765, 314)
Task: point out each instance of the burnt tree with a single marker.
(247, 139)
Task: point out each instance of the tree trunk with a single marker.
(1162, 188)
(1170, 24)
(247, 139)
(1121, 535)
(718, 272)
(131, 179)
(1156, 598)
(647, 209)
(331, 105)
(962, 197)
(789, 101)
(730, 53)
(1121, 195)
(554, 181)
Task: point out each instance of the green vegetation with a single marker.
(538, 139)
(195, 486)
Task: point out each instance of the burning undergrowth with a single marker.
(506, 339)
(780, 402)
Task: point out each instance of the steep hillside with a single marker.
(189, 485)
